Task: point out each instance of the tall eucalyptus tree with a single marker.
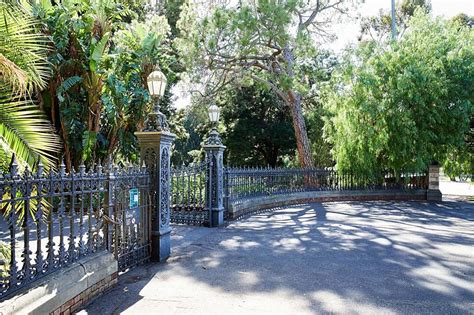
(259, 41)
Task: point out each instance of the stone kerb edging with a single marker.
(67, 290)
(255, 204)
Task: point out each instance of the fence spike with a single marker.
(99, 168)
(62, 168)
(115, 168)
(14, 166)
(110, 164)
(40, 169)
(82, 169)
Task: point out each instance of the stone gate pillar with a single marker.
(215, 178)
(433, 193)
(155, 150)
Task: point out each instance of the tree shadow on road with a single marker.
(339, 257)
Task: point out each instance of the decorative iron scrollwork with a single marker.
(214, 138)
(164, 187)
(71, 215)
(214, 181)
(220, 178)
(156, 120)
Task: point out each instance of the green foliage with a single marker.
(317, 71)
(103, 52)
(378, 27)
(234, 39)
(172, 11)
(23, 72)
(320, 148)
(24, 132)
(23, 65)
(459, 163)
(258, 128)
(126, 97)
(404, 106)
(257, 42)
(463, 20)
(195, 121)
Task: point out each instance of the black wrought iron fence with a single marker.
(49, 220)
(188, 194)
(131, 202)
(243, 183)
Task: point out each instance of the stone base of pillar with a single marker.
(161, 245)
(434, 195)
(217, 217)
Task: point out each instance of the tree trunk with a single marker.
(302, 141)
(293, 100)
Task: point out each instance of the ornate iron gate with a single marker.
(188, 194)
(131, 216)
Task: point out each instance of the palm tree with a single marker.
(24, 71)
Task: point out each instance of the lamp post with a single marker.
(156, 120)
(155, 151)
(215, 175)
(214, 137)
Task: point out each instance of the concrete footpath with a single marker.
(335, 258)
(460, 190)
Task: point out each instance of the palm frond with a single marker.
(4, 156)
(24, 131)
(18, 79)
(22, 45)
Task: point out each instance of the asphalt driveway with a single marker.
(340, 258)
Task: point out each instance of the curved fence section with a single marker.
(245, 183)
(189, 185)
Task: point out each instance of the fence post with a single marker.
(215, 178)
(226, 190)
(155, 144)
(433, 193)
(110, 206)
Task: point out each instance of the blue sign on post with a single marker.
(133, 198)
(132, 214)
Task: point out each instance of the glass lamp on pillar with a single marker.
(214, 114)
(156, 120)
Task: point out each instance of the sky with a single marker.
(347, 33)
